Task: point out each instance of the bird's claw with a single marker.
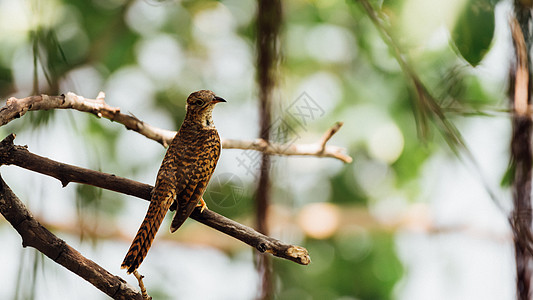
(202, 205)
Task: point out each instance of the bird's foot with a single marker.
(202, 205)
(141, 285)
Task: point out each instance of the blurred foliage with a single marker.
(99, 135)
(331, 49)
(98, 201)
(228, 195)
(164, 99)
(362, 266)
(33, 261)
(39, 118)
(48, 51)
(6, 77)
(343, 191)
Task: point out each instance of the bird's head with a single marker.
(200, 105)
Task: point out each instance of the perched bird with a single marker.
(183, 176)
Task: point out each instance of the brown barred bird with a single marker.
(182, 179)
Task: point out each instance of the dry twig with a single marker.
(17, 107)
(141, 285)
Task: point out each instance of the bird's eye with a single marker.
(199, 102)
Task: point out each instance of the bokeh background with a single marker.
(409, 218)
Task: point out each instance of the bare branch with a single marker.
(327, 136)
(141, 285)
(17, 107)
(319, 149)
(289, 150)
(262, 243)
(11, 154)
(35, 235)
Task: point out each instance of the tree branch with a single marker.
(35, 235)
(17, 107)
(328, 135)
(11, 154)
(521, 154)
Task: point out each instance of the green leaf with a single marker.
(508, 177)
(473, 32)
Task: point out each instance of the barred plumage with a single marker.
(182, 179)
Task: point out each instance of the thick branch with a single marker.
(35, 235)
(11, 154)
(17, 107)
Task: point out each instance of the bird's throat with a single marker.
(208, 122)
(207, 118)
(202, 118)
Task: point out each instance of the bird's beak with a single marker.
(218, 99)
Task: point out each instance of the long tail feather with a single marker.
(145, 236)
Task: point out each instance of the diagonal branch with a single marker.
(11, 154)
(17, 107)
(35, 235)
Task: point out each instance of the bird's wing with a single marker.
(192, 178)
